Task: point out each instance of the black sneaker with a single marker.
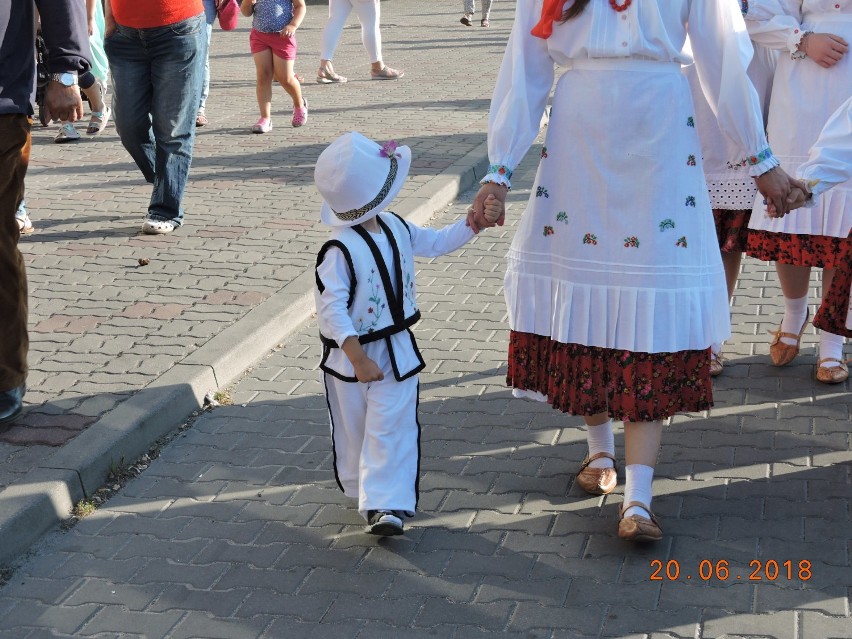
(384, 523)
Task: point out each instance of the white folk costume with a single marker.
(804, 95)
(617, 248)
(830, 164)
(726, 165)
(366, 288)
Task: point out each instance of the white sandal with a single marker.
(158, 227)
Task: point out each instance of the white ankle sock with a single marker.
(795, 314)
(830, 345)
(637, 487)
(601, 440)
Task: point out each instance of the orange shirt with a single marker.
(145, 14)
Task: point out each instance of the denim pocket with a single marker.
(190, 26)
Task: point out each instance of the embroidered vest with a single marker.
(381, 296)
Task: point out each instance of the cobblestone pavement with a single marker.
(238, 529)
(102, 326)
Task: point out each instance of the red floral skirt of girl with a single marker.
(629, 386)
(835, 313)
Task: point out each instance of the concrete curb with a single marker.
(30, 508)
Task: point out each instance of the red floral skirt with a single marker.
(732, 229)
(799, 250)
(587, 380)
(832, 313)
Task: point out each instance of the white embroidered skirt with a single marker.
(617, 247)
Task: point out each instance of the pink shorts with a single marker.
(282, 46)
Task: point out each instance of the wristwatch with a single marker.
(67, 79)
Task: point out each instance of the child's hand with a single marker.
(289, 31)
(366, 370)
(826, 49)
(493, 209)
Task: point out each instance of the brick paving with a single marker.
(102, 326)
(238, 530)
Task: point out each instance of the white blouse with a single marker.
(830, 159)
(782, 23)
(648, 29)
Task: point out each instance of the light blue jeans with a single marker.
(210, 17)
(157, 76)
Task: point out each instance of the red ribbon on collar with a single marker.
(551, 11)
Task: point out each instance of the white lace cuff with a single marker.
(793, 42)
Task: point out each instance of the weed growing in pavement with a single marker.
(223, 397)
(84, 508)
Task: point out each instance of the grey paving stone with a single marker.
(532, 616)
(778, 625)
(115, 620)
(199, 624)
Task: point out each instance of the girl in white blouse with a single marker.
(812, 79)
(614, 281)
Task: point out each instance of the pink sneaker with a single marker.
(263, 125)
(300, 116)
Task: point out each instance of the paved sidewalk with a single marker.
(222, 290)
(238, 529)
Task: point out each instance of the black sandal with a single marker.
(465, 20)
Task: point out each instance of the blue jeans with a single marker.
(157, 76)
(210, 17)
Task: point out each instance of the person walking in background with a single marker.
(368, 12)
(210, 7)
(812, 79)
(470, 10)
(64, 31)
(366, 304)
(732, 191)
(156, 53)
(619, 325)
(273, 47)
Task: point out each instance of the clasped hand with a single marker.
(488, 208)
(781, 193)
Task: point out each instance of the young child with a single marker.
(830, 164)
(365, 300)
(273, 47)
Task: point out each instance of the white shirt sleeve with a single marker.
(332, 314)
(718, 27)
(776, 24)
(520, 95)
(429, 242)
(830, 159)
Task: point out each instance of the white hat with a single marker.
(357, 178)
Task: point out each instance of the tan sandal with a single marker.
(597, 481)
(638, 528)
(782, 354)
(717, 364)
(832, 374)
(386, 73)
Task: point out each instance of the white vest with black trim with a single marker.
(381, 301)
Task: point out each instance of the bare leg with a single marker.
(287, 79)
(264, 68)
(731, 261)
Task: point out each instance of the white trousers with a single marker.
(470, 8)
(376, 440)
(368, 15)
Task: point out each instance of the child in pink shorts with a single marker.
(273, 47)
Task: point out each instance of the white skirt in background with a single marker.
(804, 95)
(617, 248)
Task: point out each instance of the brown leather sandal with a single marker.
(832, 374)
(782, 354)
(597, 481)
(638, 528)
